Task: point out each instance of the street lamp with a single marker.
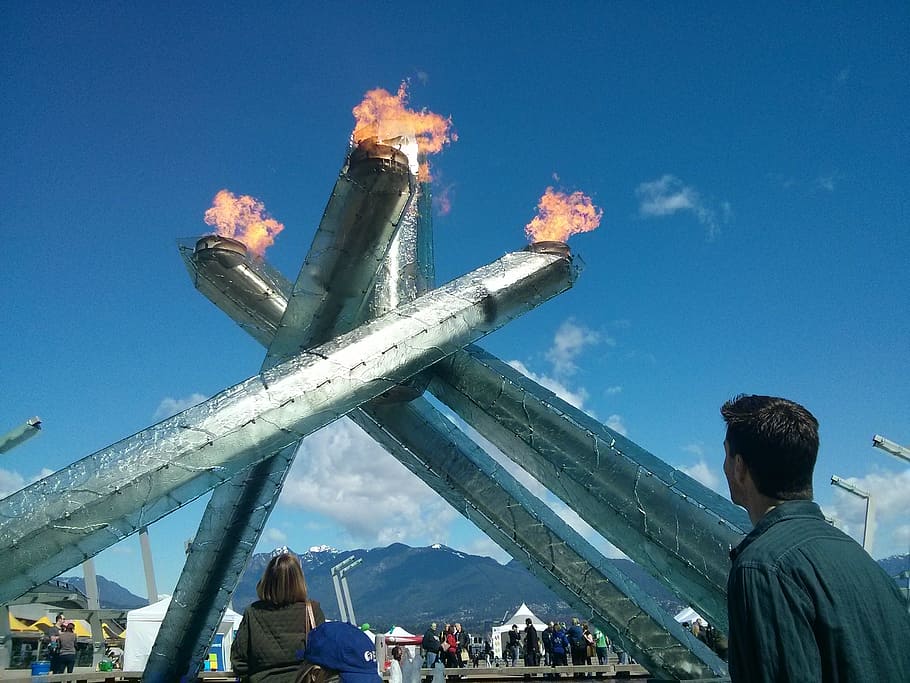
(889, 446)
(868, 522)
(20, 434)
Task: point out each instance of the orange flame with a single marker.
(560, 215)
(384, 116)
(243, 218)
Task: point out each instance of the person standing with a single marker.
(66, 654)
(53, 641)
(532, 644)
(430, 645)
(464, 644)
(578, 644)
(805, 601)
(272, 636)
(395, 665)
(450, 648)
(601, 645)
(547, 638)
(514, 645)
(560, 645)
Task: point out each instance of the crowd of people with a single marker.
(559, 644)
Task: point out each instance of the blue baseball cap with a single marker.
(344, 648)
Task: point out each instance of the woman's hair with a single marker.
(282, 582)
(313, 673)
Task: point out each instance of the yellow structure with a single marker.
(16, 625)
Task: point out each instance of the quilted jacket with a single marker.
(270, 641)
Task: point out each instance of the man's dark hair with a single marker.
(778, 439)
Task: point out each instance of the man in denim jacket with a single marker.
(805, 601)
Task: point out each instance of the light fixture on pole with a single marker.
(868, 522)
(20, 434)
(889, 446)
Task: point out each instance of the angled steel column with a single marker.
(352, 241)
(363, 212)
(677, 529)
(233, 521)
(73, 514)
(429, 445)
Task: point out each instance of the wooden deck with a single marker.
(481, 673)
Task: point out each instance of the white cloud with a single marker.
(171, 406)
(668, 195)
(11, 481)
(695, 449)
(568, 342)
(343, 474)
(274, 536)
(484, 546)
(706, 475)
(828, 182)
(575, 397)
(616, 423)
(889, 503)
(612, 391)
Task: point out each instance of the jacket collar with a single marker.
(789, 509)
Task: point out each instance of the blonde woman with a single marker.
(272, 636)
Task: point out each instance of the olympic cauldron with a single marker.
(363, 333)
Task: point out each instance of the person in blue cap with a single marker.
(337, 651)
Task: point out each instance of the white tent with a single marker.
(688, 615)
(142, 628)
(500, 633)
(398, 636)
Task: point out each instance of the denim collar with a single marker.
(789, 509)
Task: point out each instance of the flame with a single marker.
(560, 215)
(243, 218)
(384, 116)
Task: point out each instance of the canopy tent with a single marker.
(142, 628)
(688, 615)
(395, 636)
(500, 633)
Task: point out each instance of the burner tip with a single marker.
(550, 247)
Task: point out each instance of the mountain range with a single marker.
(411, 587)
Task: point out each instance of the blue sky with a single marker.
(751, 164)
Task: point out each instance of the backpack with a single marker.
(53, 647)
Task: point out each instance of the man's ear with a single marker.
(740, 470)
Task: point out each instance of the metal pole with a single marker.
(868, 521)
(351, 619)
(339, 597)
(150, 586)
(889, 446)
(94, 603)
